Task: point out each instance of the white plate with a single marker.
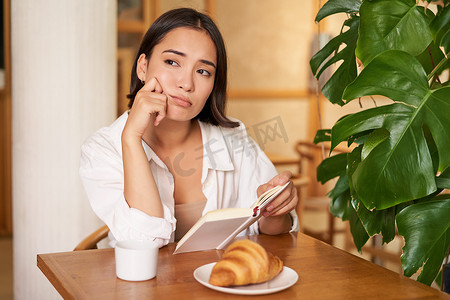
(285, 279)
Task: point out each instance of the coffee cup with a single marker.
(136, 260)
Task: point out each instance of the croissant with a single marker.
(245, 262)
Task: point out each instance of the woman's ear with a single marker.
(141, 67)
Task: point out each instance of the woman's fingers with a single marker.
(284, 203)
(160, 115)
(158, 89)
(152, 85)
(150, 105)
(280, 179)
(152, 92)
(285, 207)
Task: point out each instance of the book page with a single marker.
(269, 195)
(209, 235)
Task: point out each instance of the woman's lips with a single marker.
(181, 101)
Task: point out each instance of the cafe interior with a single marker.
(65, 74)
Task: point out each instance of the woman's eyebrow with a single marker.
(205, 61)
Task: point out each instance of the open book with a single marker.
(218, 227)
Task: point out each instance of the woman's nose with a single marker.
(186, 81)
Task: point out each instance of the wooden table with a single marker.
(324, 272)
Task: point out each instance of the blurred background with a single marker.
(64, 73)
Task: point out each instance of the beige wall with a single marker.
(280, 122)
(268, 44)
(166, 5)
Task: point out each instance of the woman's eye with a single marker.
(170, 62)
(204, 72)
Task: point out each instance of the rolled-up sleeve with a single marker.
(101, 173)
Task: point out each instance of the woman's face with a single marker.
(184, 63)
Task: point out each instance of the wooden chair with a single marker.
(90, 242)
(314, 197)
(382, 254)
(300, 181)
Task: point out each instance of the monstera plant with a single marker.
(397, 175)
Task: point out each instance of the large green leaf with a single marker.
(373, 140)
(394, 74)
(353, 160)
(392, 24)
(347, 71)
(383, 176)
(434, 262)
(340, 195)
(341, 201)
(331, 167)
(426, 229)
(436, 114)
(340, 187)
(391, 166)
(445, 42)
(340, 198)
(440, 28)
(376, 221)
(322, 135)
(359, 234)
(341, 207)
(332, 7)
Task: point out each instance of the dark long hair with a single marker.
(214, 110)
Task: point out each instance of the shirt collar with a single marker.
(151, 155)
(216, 151)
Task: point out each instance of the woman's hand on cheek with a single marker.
(284, 202)
(150, 104)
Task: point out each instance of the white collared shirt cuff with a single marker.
(139, 225)
(295, 224)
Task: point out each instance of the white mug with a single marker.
(136, 260)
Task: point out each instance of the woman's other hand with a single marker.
(276, 218)
(284, 202)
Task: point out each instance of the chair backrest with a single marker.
(90, 242)
(311, 155)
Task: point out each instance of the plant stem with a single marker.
(436, 69)
(433, 64)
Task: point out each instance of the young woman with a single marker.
(175, 155)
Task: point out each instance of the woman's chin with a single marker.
(179, 115)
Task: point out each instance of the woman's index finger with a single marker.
(158, 88)
(152, 85)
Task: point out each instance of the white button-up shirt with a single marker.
(233, 168)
